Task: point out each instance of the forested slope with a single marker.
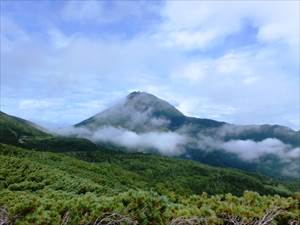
(52, 188)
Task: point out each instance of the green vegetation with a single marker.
(52, 188)
(22, 133)
(143, 207)
(48, 179)
(14, 129)
(121, 171)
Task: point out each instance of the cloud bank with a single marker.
(251, 150)
(178, 142)
(166, 143)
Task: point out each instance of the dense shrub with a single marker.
(50, 188)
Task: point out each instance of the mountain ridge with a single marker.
(142, 114)
(137, 165)
(144, 105)
(145, 123)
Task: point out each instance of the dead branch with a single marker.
(65, 218)
(4, 218)
(114, 219)
(266, 219)
(188, 221)
(269, 216)
(294, 222)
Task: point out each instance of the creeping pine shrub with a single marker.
(50, 207)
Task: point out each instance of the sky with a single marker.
(233, 61)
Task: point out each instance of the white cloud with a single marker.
(175, 143)
(294, 153)
(193, 24)
(190, 39)
(33, 104)
(92, 104)
(58, 38)
(195, 71)
(83, 11)
(202, 24)
(166, 143)
(250, 150)
(101, 12)
(205, 108)
(280, 23)
(11, 33)
(243, 84)
(232, 64)
(251, 80)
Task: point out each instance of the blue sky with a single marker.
(234, 61)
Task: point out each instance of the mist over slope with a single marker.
(82, 177)
(144, 169)
(139, 112)
(143, 122)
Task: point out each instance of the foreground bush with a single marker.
(43, 188)
(145, 207)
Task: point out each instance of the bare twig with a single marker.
(65, 218)
(4, 218)
(269, 216)
(266, 219)
(114, 219)
(294, 222)
(188, 221)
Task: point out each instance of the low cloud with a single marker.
(177, 143)
(232, 138)
(254, 151)
(132, 123)
(166, 143)
(251, 150)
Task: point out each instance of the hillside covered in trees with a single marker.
(51, 179)
(102, 187)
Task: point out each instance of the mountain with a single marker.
(142, 120)
(141, 112)
(144, 123)
(16, 130)
(156, 171)
(83, 183)
(23, 133)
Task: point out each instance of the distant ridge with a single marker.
(141, 113)
(143, 122)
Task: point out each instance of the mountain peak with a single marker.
(134, 94)
(141, 95)
(143, 101)
(139, 111)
